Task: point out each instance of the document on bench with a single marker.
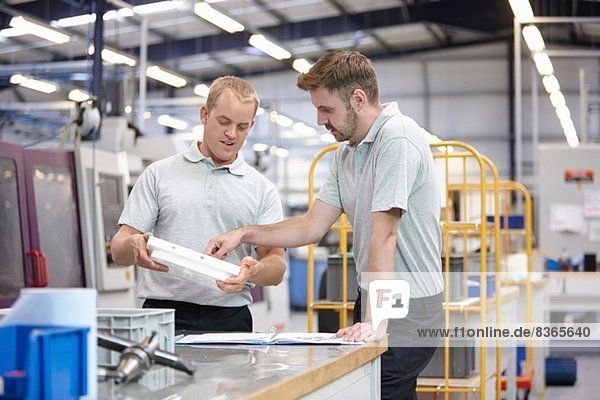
(268, 338)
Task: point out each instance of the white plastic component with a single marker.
(186, 260)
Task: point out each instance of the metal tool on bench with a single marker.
(137, 358)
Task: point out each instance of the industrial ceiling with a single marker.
(181, 41)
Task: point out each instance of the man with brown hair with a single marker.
(189, 197)
(383, 178)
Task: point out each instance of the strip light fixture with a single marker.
(551, 84)
(76, 20)
(78, 95)
(38, 29)
(521, 9)
(201, 90)
(533, 38)
(114, 56)
(268, 47)
(301, 65)
(523, 13)
(12, 32)
(543, 64)
(34, 84)
(215, 17)
(175, 123)
(157, 7)
(159, 74)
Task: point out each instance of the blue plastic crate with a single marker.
(552, 265)
(474, 285)
(43, 362)
(298, 284)
(514, 221)
(561, 371)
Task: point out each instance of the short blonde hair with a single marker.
(244, 92)
(342, 72)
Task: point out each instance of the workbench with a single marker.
(266, 372)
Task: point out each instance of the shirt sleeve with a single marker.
(397, 166)
(330, 191)
(141, 209)
(271, 210)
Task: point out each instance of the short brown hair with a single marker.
(241, 88)
(342, 72)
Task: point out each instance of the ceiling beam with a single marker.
(494, 18)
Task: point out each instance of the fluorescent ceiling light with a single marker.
(557, 99)
(78, 95)
(215, 17)
(154, 8)
(543, 64)
(260, 111)
(114, 56)
(550, 84)
(76, 20)
(533, 38)
(567, 123)
(304, 130)
(39, 30)
(34, 84)
(572, 138)
(120, 13)
(268, 47)
(260, 147)
(301, 65)
(327, 138)
(521, 9)
(175, 123)
(283, 121)
(201, 90)
(563, 112)
(155, 72)
(12, 32)
(282, 153)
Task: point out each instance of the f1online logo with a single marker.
(388, 299)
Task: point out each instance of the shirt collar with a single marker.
(389, 109)
(237, 167)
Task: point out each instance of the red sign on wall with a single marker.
(579, 175)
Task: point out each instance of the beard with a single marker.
(348, 129)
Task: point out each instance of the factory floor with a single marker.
(588, 371)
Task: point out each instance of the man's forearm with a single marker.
(121, 250)
(382, 248)
(122, 246)
(272, 272)
(292, 232)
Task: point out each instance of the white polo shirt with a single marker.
(392, 167)
(187, 200)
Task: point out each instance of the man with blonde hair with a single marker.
(383, 178)
(189, 197)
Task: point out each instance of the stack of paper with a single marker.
(268, 338)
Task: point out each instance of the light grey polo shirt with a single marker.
(187, 200)
(392, 167)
